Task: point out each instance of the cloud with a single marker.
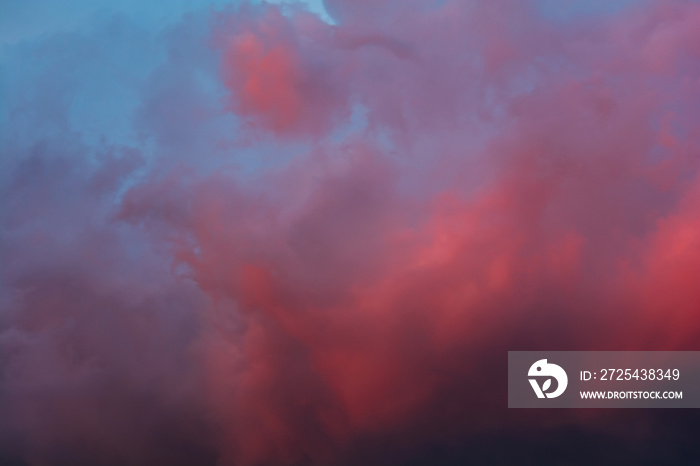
(252, 236)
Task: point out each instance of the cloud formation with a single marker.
(252, 236)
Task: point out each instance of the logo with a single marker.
(543, 369)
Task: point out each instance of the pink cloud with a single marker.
(513, 183)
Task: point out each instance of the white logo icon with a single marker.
(542, 369)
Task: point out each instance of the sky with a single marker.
(249, 233)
